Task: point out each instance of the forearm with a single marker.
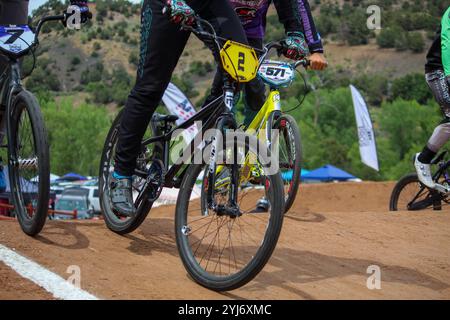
(297, 17)
(309, 27)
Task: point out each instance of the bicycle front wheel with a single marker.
(224, 252)
(29, 164)
(410, 194)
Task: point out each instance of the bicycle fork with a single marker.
(226, 121)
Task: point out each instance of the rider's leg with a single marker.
(13, 12)
(254, 91)
(441, 91)
(224, 20)
(161, 46)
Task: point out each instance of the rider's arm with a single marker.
(445, 42)
(296, 16)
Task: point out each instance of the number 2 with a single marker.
(241, 61)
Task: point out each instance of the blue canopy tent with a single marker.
(72, 177)
(328, 173)
(288, 174)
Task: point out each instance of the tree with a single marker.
(76, 136)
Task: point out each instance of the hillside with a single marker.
(93, 70)
(112, 40)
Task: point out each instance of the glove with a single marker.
(180, 12)
(295, 46)
(84, 9)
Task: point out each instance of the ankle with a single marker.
(426, 156)
(119, 176)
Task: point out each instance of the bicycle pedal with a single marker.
(442, 189)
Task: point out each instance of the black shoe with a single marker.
(121, 196)
(262, 205)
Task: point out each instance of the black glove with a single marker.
(84, 9)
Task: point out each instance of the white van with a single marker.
(93, 197)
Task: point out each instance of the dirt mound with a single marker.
(329, 239)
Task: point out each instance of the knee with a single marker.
(143, 95)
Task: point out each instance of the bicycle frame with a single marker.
(211, 113)
(264, 118)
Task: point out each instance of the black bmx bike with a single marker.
(410, 194)
(223, 240)
(22, 130)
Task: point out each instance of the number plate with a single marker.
(276, 73)
(239, 61)
(16, 39)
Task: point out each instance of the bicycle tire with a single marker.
(400, 186)
(264, 252)
(26, 102)
(113, 222)
(289, 128)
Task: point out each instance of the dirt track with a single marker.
(330, 237)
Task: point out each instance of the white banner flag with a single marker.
(178, 104)
(367, 144)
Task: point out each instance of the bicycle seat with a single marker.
(164, 117)
(439, 158)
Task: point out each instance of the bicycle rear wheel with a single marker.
(410, 194)
(219, 251)
(114, 221)
(29, 164)
(290, 157)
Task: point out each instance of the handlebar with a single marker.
(198, 30)
(279, 47)
(41, 22)
(63, 17)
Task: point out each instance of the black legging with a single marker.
(13, 12)
(162, 44)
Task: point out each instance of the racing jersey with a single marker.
(294, 14)
(438, 56)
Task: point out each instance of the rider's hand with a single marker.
(295, 46)
(180, 12)
(317, 61)
(84, 9)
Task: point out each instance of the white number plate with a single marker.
(276, 73)
(16, 39)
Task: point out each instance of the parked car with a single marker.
(93, 197)
(91, 192)
(74, 199)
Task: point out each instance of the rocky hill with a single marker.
(98, 63)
